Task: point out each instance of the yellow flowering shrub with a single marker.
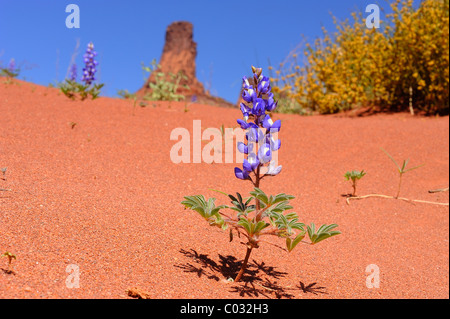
(378, 68)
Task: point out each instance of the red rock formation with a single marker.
(179, 54)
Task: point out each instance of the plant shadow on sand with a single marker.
(8, 271)
(259, 278)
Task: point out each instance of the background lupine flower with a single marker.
(73, 72)
(12, 65)
(258, 101)
(90, 65)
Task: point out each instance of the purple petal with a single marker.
(275, 126)
(253, 160)
(246, 166)
(273, 170)
(240, 174)
(242, 148)
(265, 154)
(276, 145)
(267, 122)
(244, 125)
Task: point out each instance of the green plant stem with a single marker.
(257, 204)
(244, 264)
(399, 185)
(257, 218)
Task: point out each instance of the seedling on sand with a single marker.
(354, 176)
(401, 170)
(10, 257)
(258, 215)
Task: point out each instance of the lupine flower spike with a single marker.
(90, 65)
(258, 102)
(73, 73)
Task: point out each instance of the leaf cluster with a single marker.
(165, 86)
(354, 175)
(72, 89)
(271, 218)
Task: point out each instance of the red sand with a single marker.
(106, 197)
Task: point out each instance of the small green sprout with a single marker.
(10, 257)
(401, 170)
(354, 176)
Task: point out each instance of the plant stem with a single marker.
(257, 204)
(244, 265)
(399, 185)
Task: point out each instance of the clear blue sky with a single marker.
(231, 36)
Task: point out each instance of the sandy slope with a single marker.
(105, 196)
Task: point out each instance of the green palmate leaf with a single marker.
(325, 231)
(354, 175)
(260, 195)
(239, 204)
(260, 226)
(206, 209)
(280, 207)
(286, 223)
(290, 244)
(281, 198)
(246, 224)
(251, 227)
(311, 230)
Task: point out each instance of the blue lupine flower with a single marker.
(272, 169)
(245, 149)
(73, 72)
(271, 104)
(274, 145)
(248, 95)
(241, 174)
(265, 153)
(258, 99)
(264, 85)
(270, 125)
(254, 134)
(245, 111)
(90, 65)
(242, 148)
(259, 107)
(244, 125)
(245, 84)
(251, 163)
(12, 65)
